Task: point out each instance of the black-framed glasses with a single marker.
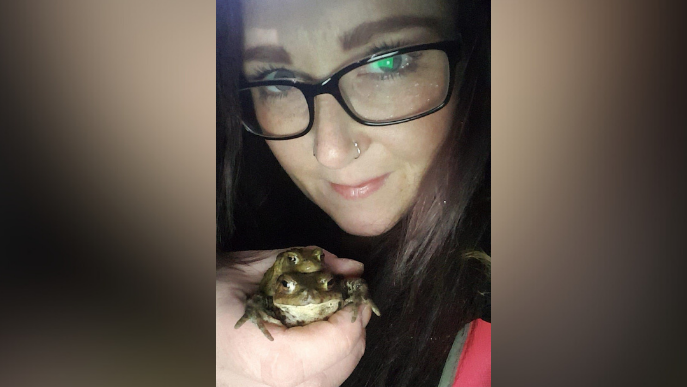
(384, 89)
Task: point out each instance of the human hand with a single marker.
(320, 354)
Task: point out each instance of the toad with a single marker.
(301, 260)
(302, 298)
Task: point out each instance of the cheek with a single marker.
(419, 140)
(292, 155)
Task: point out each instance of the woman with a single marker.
(382, 158)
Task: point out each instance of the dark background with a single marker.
(108, 211)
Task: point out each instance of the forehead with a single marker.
(310, 27)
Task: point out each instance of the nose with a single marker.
(332, 126)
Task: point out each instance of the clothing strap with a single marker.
(474, 366)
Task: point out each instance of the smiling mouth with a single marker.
(362, 190)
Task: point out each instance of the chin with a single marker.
(364, 228)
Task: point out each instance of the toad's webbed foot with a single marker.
(256, 312)
(357, 293)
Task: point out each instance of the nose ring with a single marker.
(354, 143)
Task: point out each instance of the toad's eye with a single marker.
(293, 259)
(288, 285)
(327, 282)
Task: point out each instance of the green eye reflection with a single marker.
(387, 64)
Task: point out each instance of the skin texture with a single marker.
(323, 353)
(311, 36)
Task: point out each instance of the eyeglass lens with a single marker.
(389, 89)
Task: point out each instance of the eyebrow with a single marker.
(363, 33)
(356, 37)
(276, 54)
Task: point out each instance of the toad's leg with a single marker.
(256, 312)
(356, 293)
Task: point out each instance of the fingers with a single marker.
(344, 266)
(263, 259)
(317, 346)
(325, 350)
(339, 372)
(366, 315)
(322, 353)
(253, 255)
(255, 262)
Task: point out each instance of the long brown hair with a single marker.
(429, 287)
(228, 124)
(425, 285)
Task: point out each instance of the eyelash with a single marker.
(264, 70)
(390, 46)
(387, 46)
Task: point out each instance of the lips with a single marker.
(360, 191)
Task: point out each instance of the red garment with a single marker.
(474, 365)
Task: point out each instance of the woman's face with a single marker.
(369, 193)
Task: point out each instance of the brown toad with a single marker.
(297, 259)
(303, 298)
